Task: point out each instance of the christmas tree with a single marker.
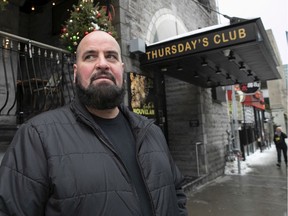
(84, 19)
(3, 3)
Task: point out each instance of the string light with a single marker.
(3, 4)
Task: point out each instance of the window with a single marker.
(218, 94)
(168, 28)
(164, 25)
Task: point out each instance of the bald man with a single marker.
(93, 156)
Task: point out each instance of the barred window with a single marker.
(218, 94)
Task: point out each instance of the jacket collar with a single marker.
(136, 121)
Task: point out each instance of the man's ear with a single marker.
(75, 71)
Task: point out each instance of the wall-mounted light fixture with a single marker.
(137, 46)
(218, 71)
(249, 73)
(6, 43)
(204, 62)
(209, 82)
(242, 66)
(231, 56)
(196, 75)
(226, 52)
(179, 68)
(256, 79)
(164, 69)
(228, 77)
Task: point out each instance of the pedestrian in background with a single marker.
(281, 146)
(93, 156)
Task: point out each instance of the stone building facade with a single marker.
(277, 91)
(199, 150)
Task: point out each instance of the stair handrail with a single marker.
(33, 42)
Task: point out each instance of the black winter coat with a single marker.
(60, 163)
(279, 140)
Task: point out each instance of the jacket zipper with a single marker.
(104, 141)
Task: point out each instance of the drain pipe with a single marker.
(197, 157)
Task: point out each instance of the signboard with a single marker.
(200, 42)
(250, 88)
(255, 100)
(141, 95)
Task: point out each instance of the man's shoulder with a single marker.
(62, 114)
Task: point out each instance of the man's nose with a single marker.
(102, 63)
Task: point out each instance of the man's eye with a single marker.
(111, 57)
(89, 57)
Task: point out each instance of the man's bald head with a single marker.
(95, 38)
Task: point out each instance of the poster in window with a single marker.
(141, 97)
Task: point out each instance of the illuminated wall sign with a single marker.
(200, 42)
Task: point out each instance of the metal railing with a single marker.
(34, 77)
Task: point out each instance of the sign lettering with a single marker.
(197, 43)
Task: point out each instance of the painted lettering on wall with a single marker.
(147, 110)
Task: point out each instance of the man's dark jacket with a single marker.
(60, 163)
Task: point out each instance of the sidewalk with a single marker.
(260, 189)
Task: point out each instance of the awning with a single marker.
(216, 56)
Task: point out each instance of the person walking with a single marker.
(281, 146)
(93, 156)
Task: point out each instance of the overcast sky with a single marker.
(273, 13)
